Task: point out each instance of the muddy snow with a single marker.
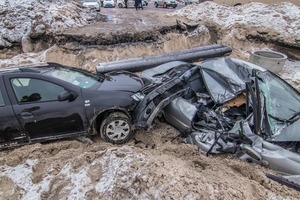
(155, 164)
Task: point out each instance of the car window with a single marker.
(78, 78)
(35, 90)
(1, 99)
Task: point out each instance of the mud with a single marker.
(153, 165)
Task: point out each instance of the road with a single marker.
(121, 20)
(149, 7)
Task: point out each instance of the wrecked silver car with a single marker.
(227, 105)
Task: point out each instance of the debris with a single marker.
(143, 63)
(284, 181)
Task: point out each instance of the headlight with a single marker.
(138, 96)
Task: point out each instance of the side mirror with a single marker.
(66, 95)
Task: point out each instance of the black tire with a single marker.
(116, 128)
(238, 4)
(120, 5)
(156, 4)
(165, 5)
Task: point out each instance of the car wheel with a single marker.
(174, 7)
(165, 5)
(116, 128)
(156, 4)
(120, 5)
(238, 4)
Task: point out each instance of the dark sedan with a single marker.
(50, 101)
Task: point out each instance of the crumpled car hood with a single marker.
(225, 78)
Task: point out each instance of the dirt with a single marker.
(155, 164)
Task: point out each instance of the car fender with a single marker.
(100, 116)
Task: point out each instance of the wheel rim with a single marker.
(117, 130)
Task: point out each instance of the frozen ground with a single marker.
(22, 21)
(155, 164)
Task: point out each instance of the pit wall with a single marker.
(89, 57)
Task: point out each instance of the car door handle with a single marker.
(26, 115)
(31, 109)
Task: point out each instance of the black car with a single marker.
(50, 101)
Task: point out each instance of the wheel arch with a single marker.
(96, 123)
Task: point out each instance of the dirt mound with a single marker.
(276, 23)
(30, 25)
(153, 165)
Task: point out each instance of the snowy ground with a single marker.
(279, 22)
(23, 20)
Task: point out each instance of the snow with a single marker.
(21, 176)
(21, 18)
(257, 18)
(115, 164)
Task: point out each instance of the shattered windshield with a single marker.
(282, 101)
(78, 78)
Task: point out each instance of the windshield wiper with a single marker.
(290, 120)
(295, 115)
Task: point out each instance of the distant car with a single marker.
(165, 3)
(130, 3)
(108, 3)
(186, 2)
(92, 4)
(50, 101)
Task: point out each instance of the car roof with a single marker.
(34, 67)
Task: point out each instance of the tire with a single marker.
(116, 128)
(174, 7)
(156, 4)
(120, 5)
(165, 5)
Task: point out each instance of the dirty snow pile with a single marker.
(250, 27)
(21, 20)
(274, 23)
(155, 166)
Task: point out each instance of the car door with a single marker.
(36, 104)
(10, 128)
